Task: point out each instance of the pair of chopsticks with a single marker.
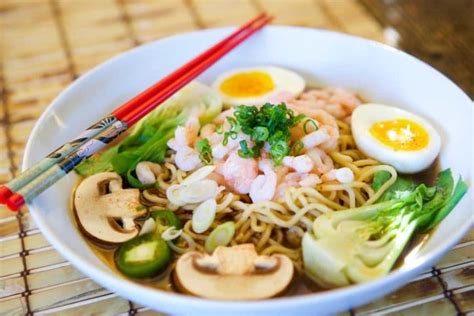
(52, 168)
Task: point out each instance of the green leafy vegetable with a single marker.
(380, 177)
(269, 123)
(133, 180)
(399, 188)
(148, 140)
(361, 244)
(205, 151)
(96, 163)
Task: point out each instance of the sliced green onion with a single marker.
(204, 215)
(260, 134)
(279, 150)
(199, 174)
(226, 139)
(268, 123)
(205, 151)
(244, 150)
(296, 148)
(305, 126)
(171, 233)
(220, 236)
(232, 121)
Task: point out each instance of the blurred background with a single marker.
(47, 44)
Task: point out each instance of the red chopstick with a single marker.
(140, 111)
(128, 114)
(156, 88)
(6, 190)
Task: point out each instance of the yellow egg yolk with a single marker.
(400, 134)
(247, 84)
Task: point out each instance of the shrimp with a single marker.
(322, 162)
(297, 179)
(185, 135)
(328, 123)
(217, 177)
(219, 150)
(221, 118)
(207, 130)
(217, 174)
(310, 180)
(342, 175)
(264, 186)
(279, 97)
(281, 172)
(347, 101)
(302, 163)
(336, 101)
(239, 173)
(187, 159)
(315, 138)
(327, 127)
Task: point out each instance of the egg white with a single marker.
(403, 161)
(284, 81)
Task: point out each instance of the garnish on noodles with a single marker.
(268, 124)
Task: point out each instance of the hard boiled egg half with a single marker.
(396, 137)
(257, 85)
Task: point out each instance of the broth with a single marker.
(300, 284)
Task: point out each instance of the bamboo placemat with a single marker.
(45, 45)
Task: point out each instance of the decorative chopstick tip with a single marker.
(15, 202)
(267, 17)
(5, 193)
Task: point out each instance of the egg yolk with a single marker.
(247, 84)
(400, 134)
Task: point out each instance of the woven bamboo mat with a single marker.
(45, 45)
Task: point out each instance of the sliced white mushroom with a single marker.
(147, 172)
(108, 217)
(115, 185)
(265, 263)
(233, 273)
(204, 215)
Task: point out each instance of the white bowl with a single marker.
(380, 73)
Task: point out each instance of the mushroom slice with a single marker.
(233, 273)
(99, 212)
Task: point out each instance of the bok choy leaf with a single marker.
(361, 244)
(148, 139)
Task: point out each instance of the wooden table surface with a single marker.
(46, 44)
